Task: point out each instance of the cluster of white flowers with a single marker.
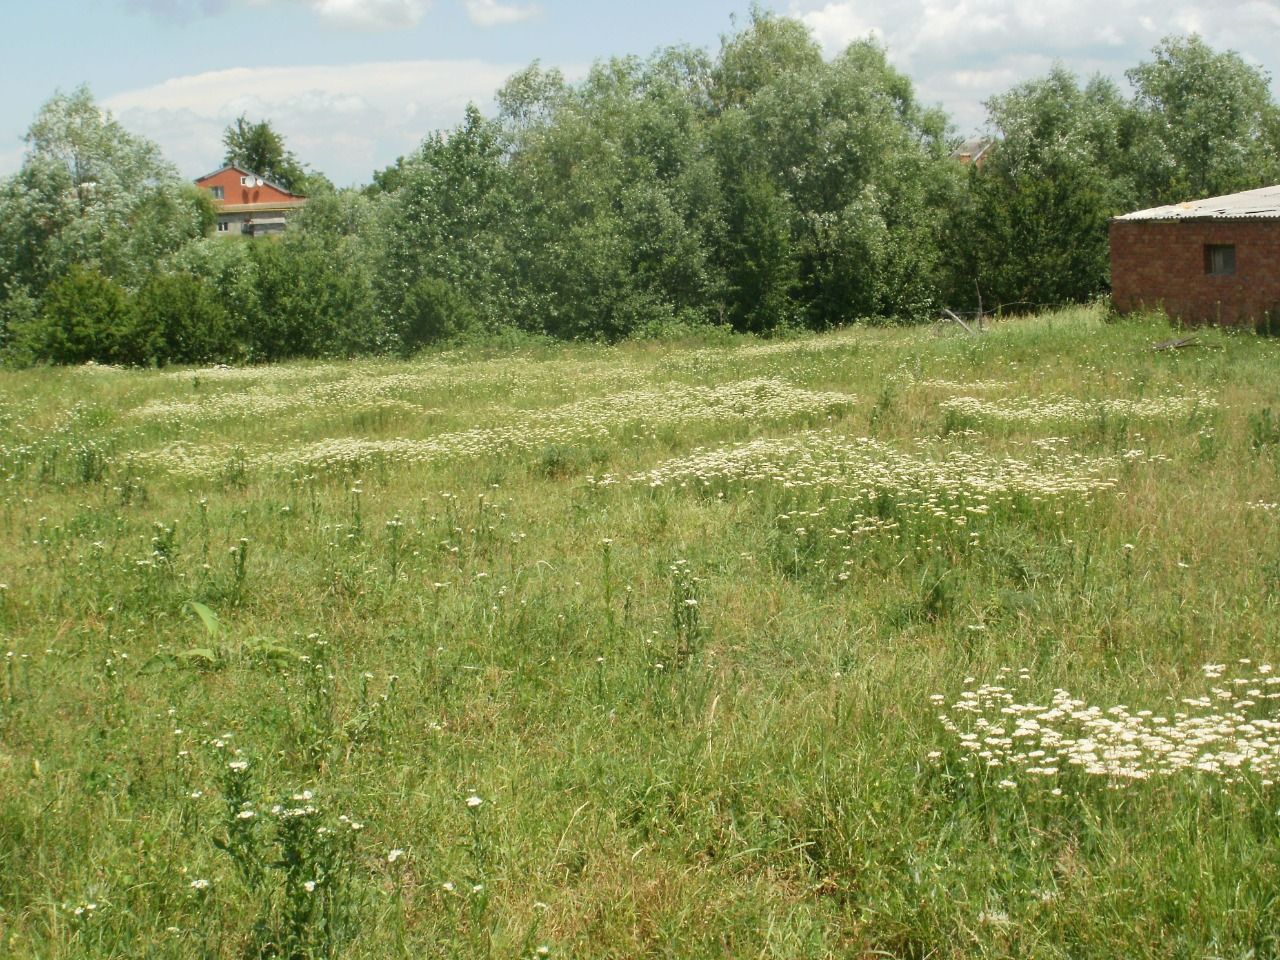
(824, 459)
(591, 419)
(290, 813)
(1230, 732)
(263, 373)
(838, 495)
(712, 358)
(354, 395)
(960, 386)
(252, 392)
(73, 438)
(864, 487)
(1031, 411)
(92, 367)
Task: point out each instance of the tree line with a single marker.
(761, 189)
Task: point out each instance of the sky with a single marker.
(353, 84)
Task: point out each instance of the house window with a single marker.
(224, 227)
(1220, 259)
(217, 192)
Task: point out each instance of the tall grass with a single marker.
(522, 700)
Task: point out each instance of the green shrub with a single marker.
(433, 311)
(86, 316)
(178, 319)
(312, 302)
(17, 307)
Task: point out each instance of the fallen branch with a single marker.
(1177, 343)
(968, 329)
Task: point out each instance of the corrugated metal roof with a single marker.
(1261, 204)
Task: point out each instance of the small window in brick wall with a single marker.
(1219, 259)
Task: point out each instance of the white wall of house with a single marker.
(267, 222)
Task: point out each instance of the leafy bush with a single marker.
(433, 311)
(313, 301)
(86, 316)
(178, 319)
(17, 307)
(229, 268)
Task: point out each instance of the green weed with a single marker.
(235, 617)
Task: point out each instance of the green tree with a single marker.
(761, 188)
(449, 220)
(769, 51)
(765, 95)
(258, 148)
(433, 311)
(178, 319)
(616, 194)
(336, 236)
(842, 155)
(86, 316)
(91, 193)
(1208, 123)
(231, 271)
(1041, 202)
(311, 300)
(759, 256)
(90, 150)
(386, 180)
(874, 186)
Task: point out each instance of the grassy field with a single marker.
(896, 643)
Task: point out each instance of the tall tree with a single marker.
(1209, 123)
(614, 187)
(442, 230)
(258, 148)
(91, 193)
(1042, 201)
(839, 154)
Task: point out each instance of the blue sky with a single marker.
(352, 84)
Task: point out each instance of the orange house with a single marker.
(247, 204)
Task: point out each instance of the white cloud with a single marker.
(179, 10)
(345, 121)
(835, 25)
(358, 14)
(960, 52)
(491, 13)
(371, 14)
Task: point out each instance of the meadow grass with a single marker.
(889, 642)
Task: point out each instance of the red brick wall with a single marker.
(1162, 265)
(233, 192)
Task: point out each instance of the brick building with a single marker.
(1206, 261)
(247, 204)
(974, 150)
